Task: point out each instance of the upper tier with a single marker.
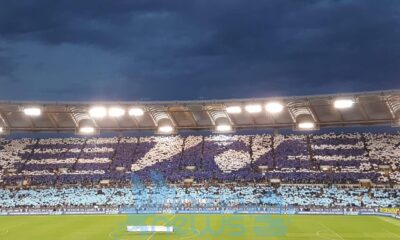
(291, 158)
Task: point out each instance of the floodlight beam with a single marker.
(33, 111)
(234, 109)
(116, 112)
(136, 112)
(274, 107)
(253, 108)
(87, 130)
(343, 103)
(98, 112)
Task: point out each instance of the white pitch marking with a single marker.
(332, 231)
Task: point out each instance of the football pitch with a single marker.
(200, 226)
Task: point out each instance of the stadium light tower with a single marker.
(253, 108)
(274, 107)
(98, 112)
(33, 111)
(343, 103)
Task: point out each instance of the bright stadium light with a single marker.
(87, 130)
(32, 111)
(253, 108)
(165, 129)
(116, 112)
(274, 107)
(234, 109)
(4, 131)
(343, 103)
(136, 112)
(223, 128)
(306, 125)
(98, 112)
(86, 126)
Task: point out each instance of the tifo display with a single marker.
(328, 158)
(206, 198)
(227, 172)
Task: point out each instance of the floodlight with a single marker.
(98, 112)
(116, 112)
(223, 128)
(234, 109)
(86, 126)
(87, 130)
(253, 108)
(343, 103)
(4, 130)
(137, 112)
(165, 129)
(33, 111)
(274, 107)
(306, 125)
(165, 126)
(223, 125)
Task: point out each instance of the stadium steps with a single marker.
(114, 154)
(272, 149)
(181, 163)
(202, 151)
(80, 154)
(310, 151)
(76, 161)
(251, 153)
(365, 144)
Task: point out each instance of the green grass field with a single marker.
(200, 227)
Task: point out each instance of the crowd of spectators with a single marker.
(225, 196)
(325, 158)
(229, 171)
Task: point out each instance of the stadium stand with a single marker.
(201, 197)
(229, 171)
(328, 158)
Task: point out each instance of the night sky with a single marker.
(176, 50)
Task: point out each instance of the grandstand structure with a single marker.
(202, 172)
(299, 113)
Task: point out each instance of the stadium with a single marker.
(199, 120)
(193, 176)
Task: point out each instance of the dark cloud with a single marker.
(211, 49)
(7, 67)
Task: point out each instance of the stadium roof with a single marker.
(357, 109)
